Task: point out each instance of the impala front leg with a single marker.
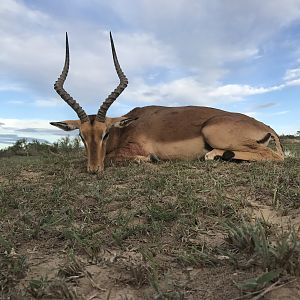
(140, 159)
(218, 153)
(117, 157)
(213, 153)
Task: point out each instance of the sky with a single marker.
(237, 55)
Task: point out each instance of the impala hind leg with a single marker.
(261, 153)
(211, 155)
(222, 154)
(246, 138)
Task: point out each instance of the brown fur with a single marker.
(165, 132)
(176, 133)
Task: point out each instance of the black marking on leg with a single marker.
(207, 146)
(218, 157)
(264, 139)
(228, 155)
(154, 158)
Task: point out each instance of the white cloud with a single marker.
(170, 36)
(283, 112)
(32, 53)
(285, 129)
(251, 114)
(16, 9)
(16, 102)
(292, 74)
(53, 102)
(170, 93)
(189, 90)
(142, 50)
(14, 129)
(294, 82)
(236, 91)
(266, 105)
(206, 33)
(19, 124)
(10, 87)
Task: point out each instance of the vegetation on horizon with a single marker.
(23, 147)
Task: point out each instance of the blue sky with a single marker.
(235, 55)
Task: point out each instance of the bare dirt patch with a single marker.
(273, 216)
(31, 175)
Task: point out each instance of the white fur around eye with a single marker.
(117, 125)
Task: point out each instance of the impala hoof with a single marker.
(228, 155)
(209, 156)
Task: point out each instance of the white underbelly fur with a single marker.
(185, 149)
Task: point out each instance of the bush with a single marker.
(23, 147)
(67, 144)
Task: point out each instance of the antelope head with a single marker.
(94, 129)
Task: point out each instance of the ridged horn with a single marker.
(120, 88)
(58, 86)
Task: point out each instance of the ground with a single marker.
(171, 230)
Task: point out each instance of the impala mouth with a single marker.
(95, 171)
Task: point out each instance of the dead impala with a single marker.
(164, 133)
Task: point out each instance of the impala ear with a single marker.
(67, 125)
(124, 123)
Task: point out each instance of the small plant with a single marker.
(124, 232)
(247, 236)
(195, 256)
(72, 269)
(286, 252)
(13, 266)
(139, 274)
(165, 213)
(51, 289)
(258, 282)
(280, 253)
(37, 287)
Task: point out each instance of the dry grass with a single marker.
(173, 230)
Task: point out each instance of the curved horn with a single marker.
(58, 86)
(120, 88)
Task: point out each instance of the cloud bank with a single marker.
(204, 52)
(190, 45)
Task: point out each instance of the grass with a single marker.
(173, 230)
(279, 253)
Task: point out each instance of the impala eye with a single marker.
(105, 136)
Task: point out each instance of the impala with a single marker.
(157, 132)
